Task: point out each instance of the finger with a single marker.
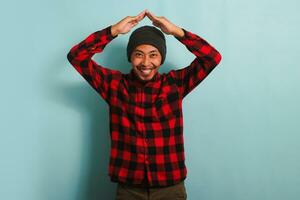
(142, 13)
(155, 23)
(133, 25)
(134, 22)
(129, 19)
(132, 19)
(140, 16)
(151, 16)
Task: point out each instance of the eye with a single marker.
(153, 55)
(137, 54)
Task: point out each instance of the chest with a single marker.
(153, 102)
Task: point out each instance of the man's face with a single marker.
(145, 60)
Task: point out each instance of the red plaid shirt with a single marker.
(146, 124)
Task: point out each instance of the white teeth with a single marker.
(146, 71)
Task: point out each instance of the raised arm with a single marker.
(207, 57)
(80, 55)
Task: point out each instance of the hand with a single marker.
(126, 24)
(165, 25)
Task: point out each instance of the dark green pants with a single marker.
(174, 192)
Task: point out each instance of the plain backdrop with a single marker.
(241, 124)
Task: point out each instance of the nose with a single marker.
(146, 61)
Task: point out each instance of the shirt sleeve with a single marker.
(80, 57)
(207, 58)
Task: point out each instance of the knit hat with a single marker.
(147, 35)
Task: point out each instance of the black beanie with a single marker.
(147, 35)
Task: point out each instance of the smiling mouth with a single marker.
(145, 71)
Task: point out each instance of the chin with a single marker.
(145, 79)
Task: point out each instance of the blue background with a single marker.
(241, 123)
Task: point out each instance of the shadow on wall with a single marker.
(94, 182)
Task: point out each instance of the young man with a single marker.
(145, 107)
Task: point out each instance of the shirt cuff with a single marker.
(108, 29)
(184, 36)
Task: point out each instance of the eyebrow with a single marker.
(153, 51)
